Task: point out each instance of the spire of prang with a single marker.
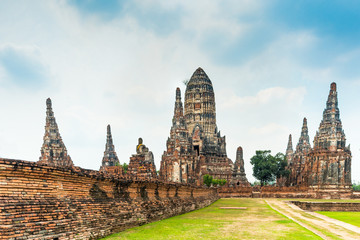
(110, 158)
(304, 143)
(53, 150)
(289, 149)
(330, 135)
(239, 159)
(178, 110)
(239, 176)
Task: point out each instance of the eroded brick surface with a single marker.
(195, 146)
(325, 168)
(44, 202)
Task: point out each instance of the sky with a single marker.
(114, 62)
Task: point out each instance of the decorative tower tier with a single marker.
(304, 143)
(53, 150)
(110, 162)
(330, 161)
(200, 115)
(239, 176)
(178, 161)
(289, 151)
(330, 135)
(297, 167)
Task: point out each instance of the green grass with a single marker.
(348, 217)
(323, 200)
(258, 221)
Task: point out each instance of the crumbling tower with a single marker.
(110, 162)
(239, 176)
(200, 116)
(297, 166)
(289, 151)
(330, 160)
(178, 161)
(195, 147)
(53, 150)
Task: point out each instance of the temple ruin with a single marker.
(53, 150)
(195, 146)
(326, 167)
(110, 162)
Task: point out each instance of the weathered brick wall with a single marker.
(287, 192)
(41, 202)
(329, 206)
(235, 192)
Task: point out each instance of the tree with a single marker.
(125, 167)
(281, 163)
(266, 167)
(356, 186)
(208, 180)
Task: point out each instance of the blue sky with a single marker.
(119, 63)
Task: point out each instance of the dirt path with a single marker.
(332, 220)
(320, 226)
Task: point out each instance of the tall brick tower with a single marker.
(110, 162)
(239, 176)
(53, 150)
(110, 158)
(200, 116)
(178, 162)
(195, 147)
(297, 166)
(289, 151)
(330, 160)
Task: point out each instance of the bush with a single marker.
(208, 180)
(356, 186)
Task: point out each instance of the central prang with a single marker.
(195, 147)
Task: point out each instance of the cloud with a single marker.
(267, 96)
(120, 62)
(22, 66)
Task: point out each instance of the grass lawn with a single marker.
(258, 221)
(348, 217)
(323, 200)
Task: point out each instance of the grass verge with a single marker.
(258, 221)
(348, 217)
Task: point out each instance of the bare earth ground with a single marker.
(325, 227)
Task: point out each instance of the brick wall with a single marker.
(41, 202)
(329, 206)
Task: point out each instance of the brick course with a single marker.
(43, 202)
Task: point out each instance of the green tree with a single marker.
(125, 167)
(356, 186)
(267, 167)
(208, 180)
(281, 165)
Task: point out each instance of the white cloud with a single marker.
(120, 72)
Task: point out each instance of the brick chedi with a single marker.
(110, 162)
(299, 158)
(325, 168)
(239, 176)
(179, 161)
(289, 151)
(329, 163)
(195, 146)
(141, 165)
(53, 150)
(200, 116)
